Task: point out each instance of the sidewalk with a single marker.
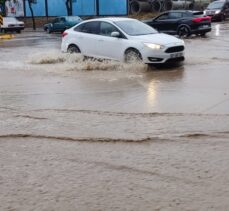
(29, 29)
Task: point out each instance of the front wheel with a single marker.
(222, 18)
(3, 30)
(183, 31)
(73, 49)
(49, 30)
(132, 55)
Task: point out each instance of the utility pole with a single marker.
(31, 10)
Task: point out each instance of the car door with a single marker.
(160, 22)
(87, 38)
(108, 46)
(173, 21)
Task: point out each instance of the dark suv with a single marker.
(181, 22)
(218, 10)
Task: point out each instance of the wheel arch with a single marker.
(183, 24)
(73, 45)
(133, 49)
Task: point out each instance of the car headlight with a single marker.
(154, 46)
(182, 42)
(217, 11)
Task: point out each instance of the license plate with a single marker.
(205, 26)
(176, 55)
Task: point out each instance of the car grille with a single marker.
(175, 49)
(210, 12)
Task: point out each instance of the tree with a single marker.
(31, 10)
(68, 4)
(2, 7)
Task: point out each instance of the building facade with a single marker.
(47, 8)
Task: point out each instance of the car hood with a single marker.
(159, 38)
(148, 20)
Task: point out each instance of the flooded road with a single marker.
(89, 135)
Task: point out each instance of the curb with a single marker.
(6, 36)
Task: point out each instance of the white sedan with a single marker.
(12, 24)
(122, 39)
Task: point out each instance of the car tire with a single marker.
(203, 34)
(132, 55)
(49, 30)
(18, 31)
(73, 49)
(183, 31)
(3, 30)
(222, 18)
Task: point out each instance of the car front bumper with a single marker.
(161, 56)
(11, 29)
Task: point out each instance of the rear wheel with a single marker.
(73, 49)
(183, 31)
(132, 55)
(203, 34)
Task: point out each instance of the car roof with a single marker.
(111, 19)
(73, 16)
(221, 1)
(191, 11)
(67, 16)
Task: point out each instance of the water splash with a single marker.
(77, 62)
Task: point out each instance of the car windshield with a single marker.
(215, 5)
(10, 19)
(135, 27)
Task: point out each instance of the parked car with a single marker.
(181, 22)
(12, 24)
(218, 10)
(122, 39)
(62, 23)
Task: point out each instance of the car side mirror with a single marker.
(115, 34)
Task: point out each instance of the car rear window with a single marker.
(215, 5)
(198, 14)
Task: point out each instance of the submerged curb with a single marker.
(6, 36)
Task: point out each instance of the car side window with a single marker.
(186, 14)
(175, 15)
(62, 20)
(56, 20)
(89, 27)
(163, 17)
(106, 29)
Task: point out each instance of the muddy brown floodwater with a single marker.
(88, 135)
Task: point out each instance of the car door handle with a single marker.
(100, 40)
